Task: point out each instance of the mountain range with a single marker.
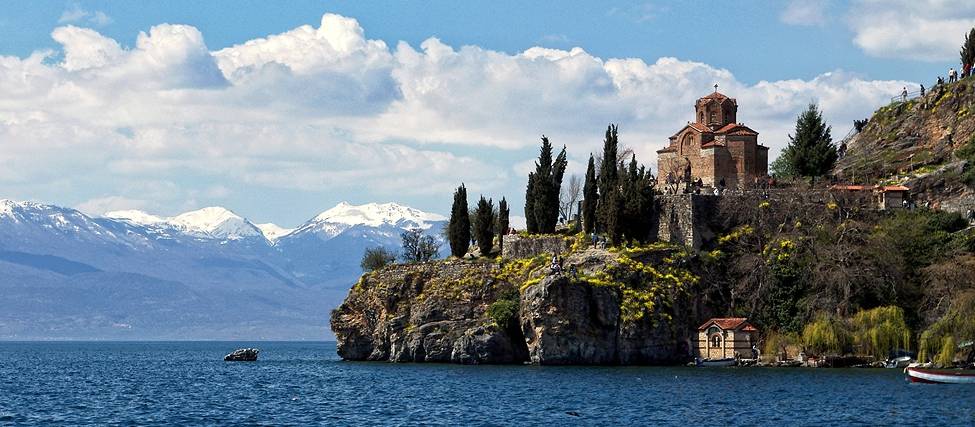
(205, 274)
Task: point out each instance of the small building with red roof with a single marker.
(714, 148)
(723, 337)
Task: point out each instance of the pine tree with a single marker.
(608, 183)
(811, 151)
(484, 226)
(589, 198)
(504, 214)
(530, 225)
(968, 49)
(459, 226)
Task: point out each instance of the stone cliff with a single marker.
(926, 143)
(628, 306)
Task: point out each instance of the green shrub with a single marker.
(504, 312)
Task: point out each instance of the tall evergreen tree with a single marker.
(542, 195)
(589, 198)
(637, 189)
(968, 49)
(504, 221)
(608, 183)
(530, 225)
(811, 151)
(484, 226)
(459, 226)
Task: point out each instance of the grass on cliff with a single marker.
(646, 288)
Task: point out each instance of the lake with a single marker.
(297, 383)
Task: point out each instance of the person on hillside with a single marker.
(952, 75)
(922, 91)
(904, 94)
(595, 240)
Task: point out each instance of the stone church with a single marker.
(714, 147)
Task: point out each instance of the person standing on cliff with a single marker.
(904, 94)
(952, 75)
(922, 91)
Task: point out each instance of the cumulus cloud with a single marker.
(928, 30)
(804, 13)
(327, 109)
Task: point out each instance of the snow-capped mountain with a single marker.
(344, 216)
(210, 222)
(209, 273)
(273, 232)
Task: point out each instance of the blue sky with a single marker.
(103, 106)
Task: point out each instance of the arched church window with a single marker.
(714, 117)
(700, 117)
(715, 341)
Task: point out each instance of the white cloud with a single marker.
(74, 13)
(804, 13)
(326, 109)
(928, 30)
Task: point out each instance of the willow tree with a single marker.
(826, 335)
(880, 331)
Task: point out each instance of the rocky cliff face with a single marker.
(927, 144)
(606, 308)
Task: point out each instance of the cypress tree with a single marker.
(530, 225)
(636, 202)
(459, 227)
(542, 195)
(811, 151)
(608, 183)
(484, 226)
(968, 49)
(504, 221)
(589, 195)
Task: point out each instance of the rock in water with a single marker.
(242, 355)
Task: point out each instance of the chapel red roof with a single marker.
(895, 188)
(726, 323)
(716, 95)
(736, 129)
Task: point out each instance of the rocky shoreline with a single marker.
(442, 312)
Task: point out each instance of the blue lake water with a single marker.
(187, 383)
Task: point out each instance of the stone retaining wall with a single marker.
(516, 246)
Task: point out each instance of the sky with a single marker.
(280, 110)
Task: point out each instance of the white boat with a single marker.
(716, 363)
(899, 362)
(940, 376)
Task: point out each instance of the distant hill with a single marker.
(926, 143)
(206, 274)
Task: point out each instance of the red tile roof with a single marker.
(895, 188)
(727, 323)
(736, 129)
(712, 144)
(716, 95)
(667, 150)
